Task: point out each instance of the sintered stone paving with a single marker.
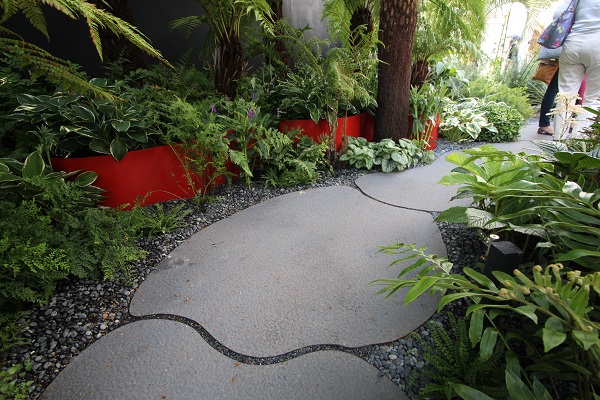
(418, 188)
(294, 271)
(160, 359)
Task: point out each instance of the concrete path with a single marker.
(292, 272)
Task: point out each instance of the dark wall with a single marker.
(70, 39)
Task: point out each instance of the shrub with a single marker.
(505, 119)
(485, 89)
(391, 156)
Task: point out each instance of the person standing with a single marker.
(544, 126)
(580, 58)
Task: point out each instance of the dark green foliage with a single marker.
(454, 360)
(12, 383)
(83, 124)
(155, 219)
(31, 259)
(489, 90)
(10, 330)
(507, 121)
(51, 228)
(288, 159)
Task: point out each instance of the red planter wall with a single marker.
(156, 173)
(352, 126)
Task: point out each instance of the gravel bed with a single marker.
(83, 311)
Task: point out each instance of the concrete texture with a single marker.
(167, 360)
(294, 271)
(418, 188)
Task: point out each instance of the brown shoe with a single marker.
(547, 130)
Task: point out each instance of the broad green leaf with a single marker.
(512, 363)
(100, 146)
(480, 278)
(476, 326)
(121, 126)
(453, 215)
(488, 342)
(468, 393)
(118, 148)
(422, 285)
(449, 298)
(83, 112)
(141, 137)
(516, 388)
(33, 166)
(540, 392)
(482, 219)
(86, 178)
(552, 338)
(586, 339)
(529, 312)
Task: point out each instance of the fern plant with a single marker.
(454, 360)
(41, 63)
(226, 20)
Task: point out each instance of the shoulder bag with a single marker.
(555, 34)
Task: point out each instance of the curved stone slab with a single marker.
(294, 271)
(415, 188)
(159, 359)
(418, 188)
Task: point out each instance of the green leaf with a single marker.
(488, 342)
(118, 148)
(469, 393)
(476, 326)
(421, 286)
(540, 392)
(86, 178)
(552, 338)
(34, 166)
(453, 215)
(100, 146)
(586, 339)
(516, 388)
(480, 278)
(83, 113)
(140, 136)
(121, 126)
(529, 312)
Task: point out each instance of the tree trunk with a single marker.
(228, 66)
(114, 46)
(361, 16)
(398, 23)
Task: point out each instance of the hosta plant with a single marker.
(387, 154)
(82, 124)
(464, 120)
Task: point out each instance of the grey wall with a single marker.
(306, 12)
(69, 39)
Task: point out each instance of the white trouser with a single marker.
(580, 57)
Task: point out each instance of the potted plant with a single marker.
(121, 142)
(426, 102)
(329, 85)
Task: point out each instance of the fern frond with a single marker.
(42, 63)
(66, 7)
(186, 25)
(33, 12)
(9, 8)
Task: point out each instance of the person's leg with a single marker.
(591, 59)
(547, 104)
(570, 76)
